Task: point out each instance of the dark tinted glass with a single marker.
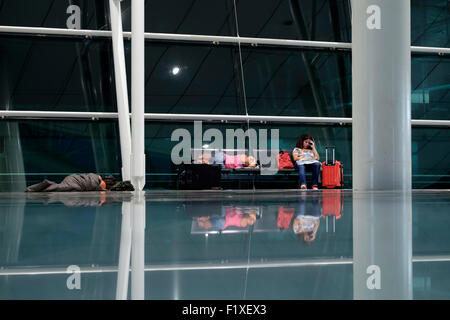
(430, 87)
(53, 13)
(56, 74)
(55, 149)
(324, 20)
(430, 20)
(297, 83)
(193, 79)
(169, 16)
(186, 16)
(431, 158)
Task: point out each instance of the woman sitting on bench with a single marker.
(306, 157)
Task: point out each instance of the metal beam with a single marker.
(245, 41)
(23, 270)
(94, 116)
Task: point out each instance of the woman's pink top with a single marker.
(232, 162)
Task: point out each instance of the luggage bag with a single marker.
(332, 171)
(200, 176)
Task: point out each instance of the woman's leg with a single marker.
(301, 174)
(38, 187)
(315, 173)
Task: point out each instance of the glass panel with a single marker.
(325, 20)
(430, 23)
(54, 149)
(186, 17)
(297, 83)
(431, 171)
(430, 87)
(338, 136)
(53, 14)
(192, 79)
(169, 16)
(163, 172)
(56, 75)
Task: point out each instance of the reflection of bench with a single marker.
(262, 224)
(329, 203)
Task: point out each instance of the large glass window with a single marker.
(320, 20)
(430, 22)
(31, 150)
(297, 82)
(186, 78)
(186, 17)
(57, 73)
(63, 74)
(54, 13)
(431, 158)
(430, 87)
(36, 149)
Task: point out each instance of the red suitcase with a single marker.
(332, 171)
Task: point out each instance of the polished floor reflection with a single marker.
(270, 244)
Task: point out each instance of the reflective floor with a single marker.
(267, 244)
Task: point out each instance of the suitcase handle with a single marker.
(327, 161)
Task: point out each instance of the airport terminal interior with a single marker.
(210, 227)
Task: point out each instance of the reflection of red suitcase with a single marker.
(332, 205)
(332, 171)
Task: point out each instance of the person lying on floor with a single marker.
(75, 182)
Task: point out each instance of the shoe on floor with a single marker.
(315, 188)
(303, 187)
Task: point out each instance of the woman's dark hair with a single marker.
(303, 138)
(301, 239)
(109, 181)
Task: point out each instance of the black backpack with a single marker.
(122, 186)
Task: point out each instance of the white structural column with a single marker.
(138, 93)
(123, 272)
(121, 87)
(381, 75)
(382, 245)
(138, 247)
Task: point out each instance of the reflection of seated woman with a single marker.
(306, 157)
(307, 222)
